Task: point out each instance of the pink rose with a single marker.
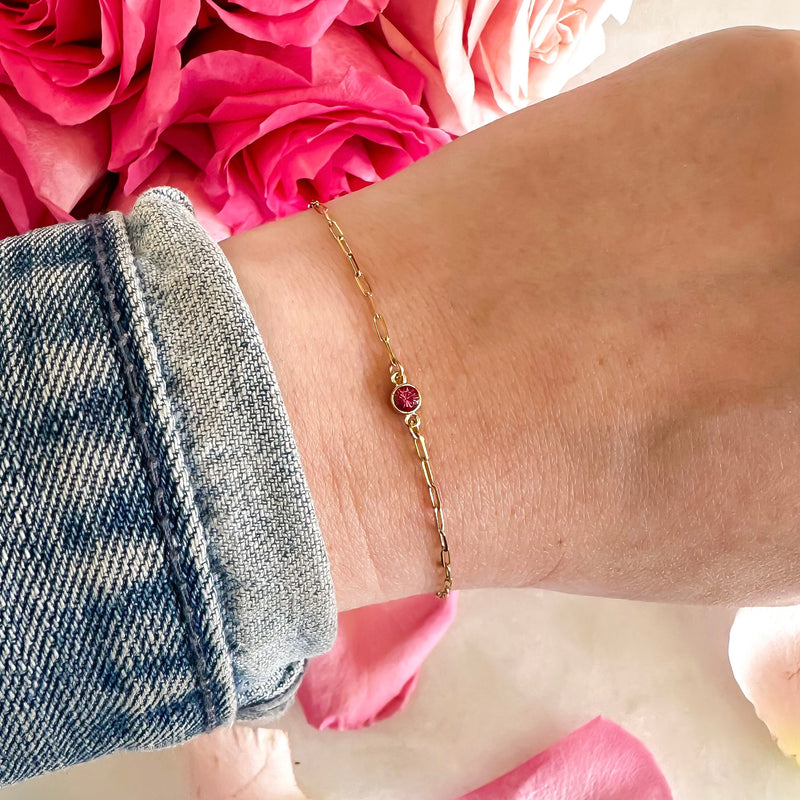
(298, 22)
(271, 128)
(485, 58)
(73, 59)
(46, 170)
(181, 173)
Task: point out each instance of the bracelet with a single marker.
(405, 397)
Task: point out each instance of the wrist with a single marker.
(481, 371)
(333, 376)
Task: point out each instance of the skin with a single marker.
(599, 299)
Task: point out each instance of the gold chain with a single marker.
(405, 397)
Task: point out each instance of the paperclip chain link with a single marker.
(406, 401)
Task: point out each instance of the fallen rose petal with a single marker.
(241, 763)
(599, 761)
(373, 666)
(764, 651)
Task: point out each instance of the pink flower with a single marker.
(72, 59)
(45, 170)
(181, 173)
(271, 128)
(298, 22)
(372, 669)
(485, 58)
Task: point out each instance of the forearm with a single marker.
(494, 423)
(605, 350)
(355, 452)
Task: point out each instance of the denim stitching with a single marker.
(265, 551)
(122, 339)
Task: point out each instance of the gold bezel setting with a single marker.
(407, 405)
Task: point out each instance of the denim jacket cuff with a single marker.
(266, 553)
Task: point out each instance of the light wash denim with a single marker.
(162, 571)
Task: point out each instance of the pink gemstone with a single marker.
(405, 398)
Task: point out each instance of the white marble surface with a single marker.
(520, 669)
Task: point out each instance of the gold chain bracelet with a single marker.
(404, 398)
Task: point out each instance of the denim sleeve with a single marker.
(162, 571)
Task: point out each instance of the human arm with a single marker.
(597, 298)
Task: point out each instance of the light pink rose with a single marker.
(764, 651)
(485, 58)
(271, 128)
(72, 59)
(298, 22)
(46, 170)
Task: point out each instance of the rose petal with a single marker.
(764, 651)
(373, 666)
(359, 12)
(243, 763)
(300, 22)
(136, 122)
(47, 169)
(599, 761)
(292, 22)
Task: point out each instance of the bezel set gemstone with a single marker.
(406, 398)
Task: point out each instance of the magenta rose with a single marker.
(298, 22)
(485, 58)
(45, 170)
(270, 128)
(176, 170)
(72, 59)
